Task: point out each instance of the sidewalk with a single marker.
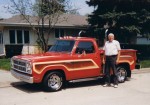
(142, 70)
(7, 80)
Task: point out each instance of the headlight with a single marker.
(28, 68)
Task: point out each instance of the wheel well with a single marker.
(127, 67)
(60, 71)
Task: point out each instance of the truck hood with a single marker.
(43, 57)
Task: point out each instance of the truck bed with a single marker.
(126, 55)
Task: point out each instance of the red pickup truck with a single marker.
(70, 59)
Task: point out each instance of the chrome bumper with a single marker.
(22, 77)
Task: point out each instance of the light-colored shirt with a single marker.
(111, 48)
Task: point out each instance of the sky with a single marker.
(81, 5)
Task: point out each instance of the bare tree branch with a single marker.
(44, 11)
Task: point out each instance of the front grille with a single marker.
(20, 68)
(19, 65)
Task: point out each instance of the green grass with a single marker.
(5, 64)
(145, 64)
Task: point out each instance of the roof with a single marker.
(65, 20)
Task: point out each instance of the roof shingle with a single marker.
(66, 20)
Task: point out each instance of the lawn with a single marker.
(5, 64)
(145, 64)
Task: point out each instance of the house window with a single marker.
(1, 38)
(26, 37)
(19, 36)
(59, 33)
(12, 36)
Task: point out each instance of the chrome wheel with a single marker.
(122, 74)
(55, 82)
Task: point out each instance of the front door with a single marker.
(86, 58)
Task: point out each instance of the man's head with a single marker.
(111, 37)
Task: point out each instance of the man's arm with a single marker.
(119, 50)
(118, 56)
(104, 57)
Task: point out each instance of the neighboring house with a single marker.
(143, 40)
(16, 35)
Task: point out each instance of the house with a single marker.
(17, 36)
(143, 40)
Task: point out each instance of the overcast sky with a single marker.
(81, 5)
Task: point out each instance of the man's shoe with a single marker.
(112, 85)
(106, 85)
(128, 78)
(115, 86)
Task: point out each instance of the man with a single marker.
(112, 53)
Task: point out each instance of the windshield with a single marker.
(62, 46)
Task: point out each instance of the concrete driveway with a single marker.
(134, 92)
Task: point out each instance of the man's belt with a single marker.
(111, 55)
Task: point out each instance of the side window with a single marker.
(26, 37)
(19, 36)
(86, 46)
(12, 36)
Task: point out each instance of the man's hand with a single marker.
(117, 61)
(103, 61)
(104, 58)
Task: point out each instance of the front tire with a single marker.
(122, 74)
(53, 81)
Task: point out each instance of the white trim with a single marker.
(16, 37)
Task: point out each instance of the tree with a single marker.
(122, 17)
(42, 10)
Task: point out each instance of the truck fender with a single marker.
(126, 66)
(55, 68)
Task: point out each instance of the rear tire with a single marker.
(53, 81)
(122, 74)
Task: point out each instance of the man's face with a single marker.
(110, 38)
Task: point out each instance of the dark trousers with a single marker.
(110, 63)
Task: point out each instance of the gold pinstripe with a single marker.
(55, 63)
(130, 63)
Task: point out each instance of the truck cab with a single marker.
(69, 59)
